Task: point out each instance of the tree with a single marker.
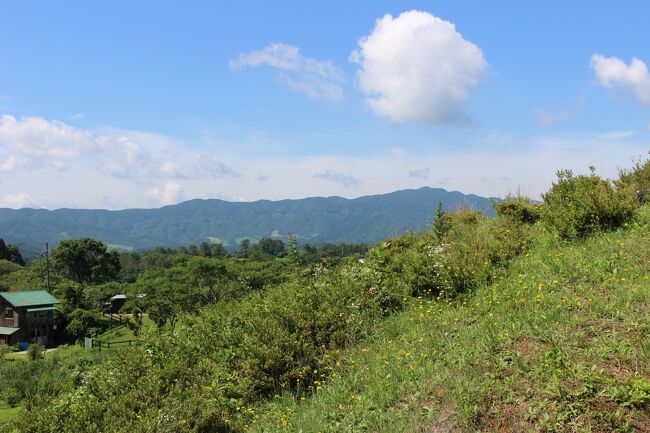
(270, 247)
(10, 253)
(205, 250)
(86, 261)
(293, 248)
(245, 247)
(218, 250)
(72, 295)
(441, 223)
(82, 323)
(191, 283)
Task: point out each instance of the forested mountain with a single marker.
(315, 220)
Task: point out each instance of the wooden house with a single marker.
(27, 316)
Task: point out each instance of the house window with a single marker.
(9, 314)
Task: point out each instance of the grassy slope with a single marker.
(560, 343)
(63, 353)
(121, 332)
(7, 413)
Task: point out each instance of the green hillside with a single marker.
(559, 342)
(313, 220)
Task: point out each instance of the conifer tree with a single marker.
(441, 223)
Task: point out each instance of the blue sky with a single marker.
(123, 104)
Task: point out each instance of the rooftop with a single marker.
(28, 299)
(7, 331)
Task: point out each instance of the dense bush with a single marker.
(7, 267)
(31, 383)
(519, 209)
(577, 206)
(637, 180)
(474, 250)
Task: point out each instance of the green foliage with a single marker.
(331, 254)
(245, 247)
(4, 350)
(267, 248)
(82, 323)
(636, 180)
(35, 351)
(577, 206)
(33, 383)
(30, 277)
(474, 250)
(292, 250)
(71, 295)
(440, 223)
(558, 342)
(519, 209)
(10, 253)
(86, 261)
(464, 217)
(7, 267)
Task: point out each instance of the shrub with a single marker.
(518, 209)
(473, 251)
(7, 267)
(637, 180)
(577, 206)
(464, 217)
(35, 351)
(4, 349)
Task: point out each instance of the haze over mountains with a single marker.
(313, 220)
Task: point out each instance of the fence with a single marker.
(91, 343)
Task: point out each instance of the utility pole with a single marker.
(47, 267)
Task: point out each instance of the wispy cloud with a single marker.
(316, 79)
(545, 116)
(419, 173)
(347, 180)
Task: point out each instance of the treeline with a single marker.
(133, 263)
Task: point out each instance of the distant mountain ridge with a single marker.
(313, 220)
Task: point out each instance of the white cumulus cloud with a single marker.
(170, 193)
(613, 73)
(16, 201)
(51, 142)
(317, 79)
(417, 68)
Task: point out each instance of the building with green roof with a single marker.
(27, 317)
